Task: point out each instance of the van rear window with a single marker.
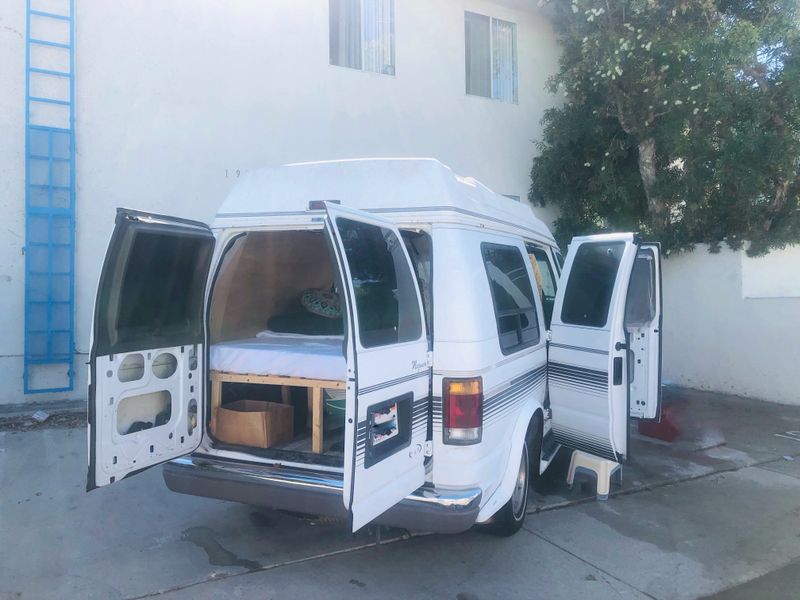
(386, 297)
(155, 298)
(512, 296)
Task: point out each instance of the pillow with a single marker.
(322, 303)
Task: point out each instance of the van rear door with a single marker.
(387, 364)
(588, 363)
(147, 353)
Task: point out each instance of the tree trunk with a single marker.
(778, 203)
(647, 171)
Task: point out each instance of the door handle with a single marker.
(617, 370)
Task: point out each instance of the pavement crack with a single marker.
(766, 467)
(607, 574)
(272, 567)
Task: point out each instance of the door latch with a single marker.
(620, 346)
(428, 448)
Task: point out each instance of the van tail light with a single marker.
(462, 411)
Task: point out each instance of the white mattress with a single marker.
(292, 355)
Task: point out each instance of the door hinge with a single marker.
(428, 448)
(549, 336)
(429, 358)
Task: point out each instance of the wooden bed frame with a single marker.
(314, 387)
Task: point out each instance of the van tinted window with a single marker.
(386, 299)
(545, 279)
(512, 295)
(155, 296)
(591, 284)
(640, 304)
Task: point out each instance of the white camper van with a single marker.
(380, 340)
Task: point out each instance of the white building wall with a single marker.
(717, 337)
(175, 99)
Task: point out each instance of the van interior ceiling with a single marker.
(275, 313)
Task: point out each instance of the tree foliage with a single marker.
(681, 119)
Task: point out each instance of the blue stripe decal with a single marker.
(578, 348)
(385, 384)
(589, 381)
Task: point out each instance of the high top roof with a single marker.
(381, 184)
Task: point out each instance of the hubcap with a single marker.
(521, 486)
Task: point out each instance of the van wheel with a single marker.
(509, 519)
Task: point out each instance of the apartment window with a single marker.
(491, 57)
(512, 296)
(362, 35)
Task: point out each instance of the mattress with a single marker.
(291, 355)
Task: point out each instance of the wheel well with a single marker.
(535, 426)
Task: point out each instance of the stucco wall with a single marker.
(717, 339)
(175, 98)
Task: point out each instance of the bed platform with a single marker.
(286, 360)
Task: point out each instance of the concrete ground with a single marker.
(716, 513)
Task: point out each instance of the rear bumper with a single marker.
(316, 492)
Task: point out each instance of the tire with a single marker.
(535, 441)
(508, 520)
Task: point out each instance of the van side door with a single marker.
(588, 364)
(146, 368)
(388, 373)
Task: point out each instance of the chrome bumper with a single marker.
(316, 492)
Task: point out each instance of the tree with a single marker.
(681, 119)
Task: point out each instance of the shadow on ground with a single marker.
(717, 433)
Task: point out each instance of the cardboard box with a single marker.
(253, 423)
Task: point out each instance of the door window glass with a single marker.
(591, 284)
(512, 295)
(559, 260)
(385, 296)
(154, 296)
(418, 246)
(545, 279)
(640, 304)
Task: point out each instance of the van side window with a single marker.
(591, 284)
(386, 299)
(640, 304)
(420, 251)
(559, 260)
(512, 295)
(545, 280)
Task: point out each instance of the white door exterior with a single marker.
(588, 369)
(387, 365)
(147, 353)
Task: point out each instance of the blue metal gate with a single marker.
(49, 197)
